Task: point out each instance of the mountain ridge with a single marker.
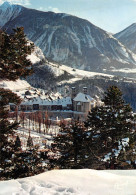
(128, 37)
(73, 41)
(8, 12)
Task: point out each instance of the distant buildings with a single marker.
(35, 104)
(78, 103)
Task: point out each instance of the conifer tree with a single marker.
(26, 163)
(6, 127)
(14, 49)
(17, 143)
(70, 144)
(109, 125)
(14, 64)
(29, 142)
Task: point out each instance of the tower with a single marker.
(85, 90)
(73, 93)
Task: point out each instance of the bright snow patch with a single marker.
(81, 97)
(76, 72)
(76, 182)
(36, 56)
(14, 85)
(126, 70)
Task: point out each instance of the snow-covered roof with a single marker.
(81, 97)
(64, 101)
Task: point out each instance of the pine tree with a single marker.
(6, 128)
(25, 163)
(29, 142)
(70, 144)
(14, 49)
(17, 143)
(14, 64)
(109, 125)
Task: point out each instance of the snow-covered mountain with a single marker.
(8, 12)
(72, 41)
(87, 51)
(128, 37)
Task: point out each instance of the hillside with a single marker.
(60, 78)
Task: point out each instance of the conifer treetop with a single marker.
(14, 49)
(113, 97)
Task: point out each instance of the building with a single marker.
(84, 103)
(36, 104)
(77, 106)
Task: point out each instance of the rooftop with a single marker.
(81, 97)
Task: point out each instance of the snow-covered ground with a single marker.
(125, 70)
(73, 182)
(40, 139)
(21, 86)
(14, 85)
(36, 56)
(58, 70)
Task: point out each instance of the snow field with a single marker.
(77, 72)
(14, 85)
(73, 182)
(40, 139)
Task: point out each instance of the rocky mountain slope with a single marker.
(71, 40)
(128, 37)
(9, 12)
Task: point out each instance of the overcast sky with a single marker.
(111, 15)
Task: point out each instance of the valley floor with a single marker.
(73, 182)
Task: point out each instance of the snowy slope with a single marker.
(128, 37)
(36, 56)
(21, 86)
(76, 182)
(15, 85)
(75, 72)
(73, 41)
